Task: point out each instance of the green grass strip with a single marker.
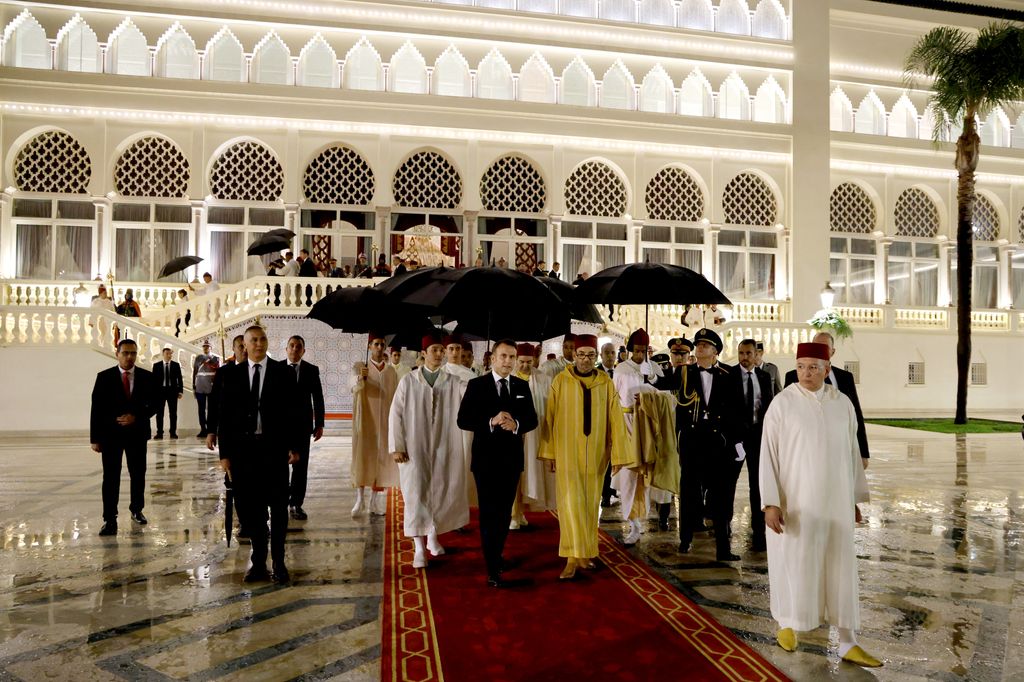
(947, 425)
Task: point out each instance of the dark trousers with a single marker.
(259, 475)
(706, 460)
(168, 396)
(753, 448)
(300, 471)
(607, 491)
(135, 455)
(496, 490)
(202, 403)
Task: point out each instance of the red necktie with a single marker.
(127, 384)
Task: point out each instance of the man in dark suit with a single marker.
(257, 423)
(498, 409)
(710, 441)
(758, 389)
(556, 270)
(843, 381)
(311, 399)
(171, 387)
(123, 400)
(306, 267)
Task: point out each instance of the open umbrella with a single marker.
(269, 242)
(566, 293)
(178, 264)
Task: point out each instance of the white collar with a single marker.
(497, 377)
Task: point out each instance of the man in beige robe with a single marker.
(537, 486)
(373, 468)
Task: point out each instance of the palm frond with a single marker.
(934, 52)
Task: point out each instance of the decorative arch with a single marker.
(657, 12)
(596, 188)
(176, 55)
(995, 130)
(578, 84)
(697, 14)
(338, 175)
(318, 64)
(695, 98)
(675, 193)
(917, 213)
(748, 199)
(657, 92)
(25, 43)
(427, 179)
(903, 118)
(734, 17)
(128, 51)
(513, 184)
(851, 209)
(1020, 227)
(78, 49)
(537, 81)
(451, 74)
(407, 71)
(151, 166)
(52, 161)
(770, 102)
(363, 69)
(494, 77)
(225, 58)
(988, 221)
(870, 118)
(618, 90)
(840, 111)
(769, 20)
(246, 170)
(734, 98)
(271, 61)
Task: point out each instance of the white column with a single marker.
(380, 231)
(8, 244)
(555, 238)
(635, 238)
(105, 238)
(201, 231)
(882, 271)
(710, 269)
(470, 239)
(782, 291)
(291, 213)
(946, 281)
(1004, 294)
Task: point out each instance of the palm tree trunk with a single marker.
(966, 163)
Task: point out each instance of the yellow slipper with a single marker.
(858, 656)
(786, 639)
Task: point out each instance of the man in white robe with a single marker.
(537, 487)
(552, 367)
(453, 358)
(811, 480)
(373, 468)
(401, 368)
(427, 444)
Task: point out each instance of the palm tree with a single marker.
(972, 75)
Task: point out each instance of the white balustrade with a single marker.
(921, 318)
(990, 321)
(61, 293)
(862, 316)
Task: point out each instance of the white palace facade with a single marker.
(771, 145)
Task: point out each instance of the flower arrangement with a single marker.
(829, 320)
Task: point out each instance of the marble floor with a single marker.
(942, 576)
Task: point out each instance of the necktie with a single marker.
(296, 368)
(254, 399)
(167, 374)
(127, 381)
(750, 396)
(503, 392)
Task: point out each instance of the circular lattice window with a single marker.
(916, 214)
(595, 189)
(851, 209)
(748, 200)
(674, 195)
(427, 180)
(986, 219)
(152, 167)
(53, 162)
(338, 175)
(247, 171)
(513, 185)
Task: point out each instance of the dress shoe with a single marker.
(138, 518)
(109, 528)
(243, 533)
(174, 436)
(786, 639)
(159, 435)
(728, 556)
(281, 575)
(758, 545)
(256, 574)
(201, 434)
(298, 514)
(684, 547)
(858, 656)
(513, 524)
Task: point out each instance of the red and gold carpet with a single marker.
(621, 621)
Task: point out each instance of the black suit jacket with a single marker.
(846, 385)
(480, 403)
(767, 387)
(109, 402)
(556, 275)
(306, 269)
(311, 395)
(177, 384)
(281, 415)
(724, 411)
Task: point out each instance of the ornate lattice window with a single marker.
(595, 189)
(427, 180)
(513, 185)
(53, 162)
(851, 210)
(748, 200)
(247, 171)
(338, 175)
(673, 195)
(986, 219)
(916, 214)
(152, 167)
(1020, 227)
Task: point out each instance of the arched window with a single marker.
(916, 214)
(578, 87)
(903, 118)
(674, 195)
(986, 219)
(914, 256)
(537, 81)
(840, 112)
(407, 71)
(512, 184)
(769, 20)
(513, 192)
(318, 64)
(770, 102)
(494, 77)
(225, 59)
(617, 88)
(870, 119)
(852, 259)
(338, 175)
(748, 200)
(579, 8)
(734, 98)
(152, 167)
(618, 10)
(595, 189)
(272, 61)
(427, 180)
(656, 91)
(734, 17)
(25, 43)
(363, 68)
(176, 55)
(1017, 138)
(77, 47)
(53, 162)
(657, 12)
(851, 210)
(247, 171)
(695, 97)
(995, 130)
(696, 14)
(451, 74)
(594, 235)
(128, 51)
(747, 253)
(1017, 266)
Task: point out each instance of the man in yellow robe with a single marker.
(372, 464)
(583, 430)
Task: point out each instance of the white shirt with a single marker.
(756, 387)
(497, 386)
(706, 380)
(263, 380)
(290, 269)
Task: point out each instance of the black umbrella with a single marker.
(178, 264)
(358, 310)
(566, 293)
(269, 242)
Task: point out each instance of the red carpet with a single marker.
(620, 622)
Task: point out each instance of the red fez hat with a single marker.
(638, 338)
(526, 349)
(431, 339)
(449, 339)
(586, 341)
(376, 334)
(813, 350)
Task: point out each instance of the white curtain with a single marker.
(34, 246)
(226, 256)
(861, 287)
(74, 252)
(1017, 276)
(131, 255)
(762, 275)
(732, 274)
(899, 282)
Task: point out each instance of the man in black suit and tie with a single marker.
(498, 409)
(123, 400)
(257, 422)
(843, 381)
(758, 389)
(556, 270)
(306, 267)
(168, 376)
(710, 441)
(311, 400)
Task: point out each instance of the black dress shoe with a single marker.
(174, 436)
(496, 581)
(728, 556)
(159, 435)
(684, 547)
(109, 528)
(256, 574)
(281, 575)
(138, 518)
(758, 545)
(201, 434)
(298, 514)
